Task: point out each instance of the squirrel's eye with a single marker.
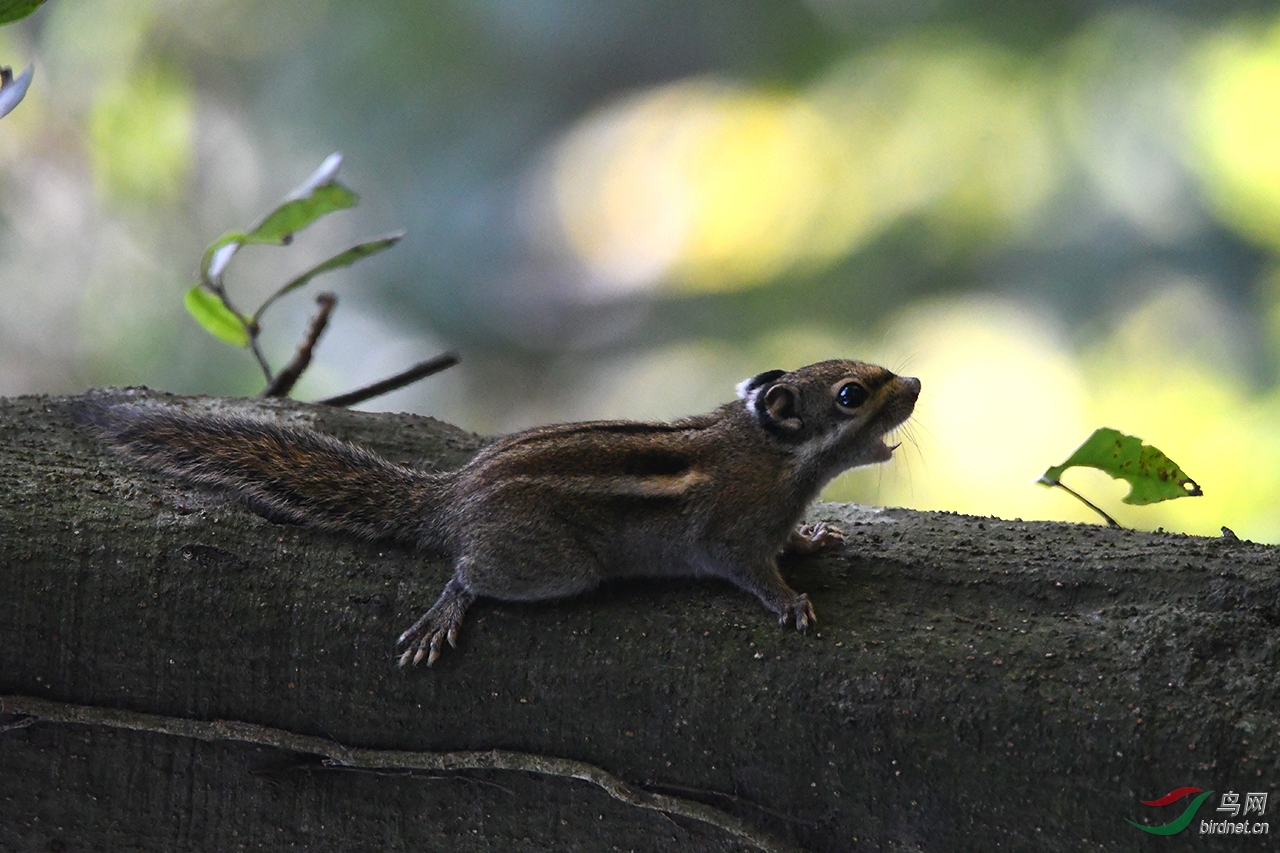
(852, 395)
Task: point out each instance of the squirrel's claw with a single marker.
(813, 538)
(429, 646)
(801, 609)
(437, 639)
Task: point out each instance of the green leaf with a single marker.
(342, 259)
(315, 197)
(16, 10)
(1152, 476)
(218, 320)
(218, 255)
(295, 214)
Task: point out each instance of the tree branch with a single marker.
(421, 370)
(285, 380)
(338, 755)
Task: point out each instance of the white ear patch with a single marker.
(748, 388)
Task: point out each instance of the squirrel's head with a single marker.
(834, 413)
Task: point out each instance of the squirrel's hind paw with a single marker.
(427, 636)
(430, 639)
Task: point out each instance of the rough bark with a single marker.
(974, 683)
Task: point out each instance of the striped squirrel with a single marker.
(553, 511)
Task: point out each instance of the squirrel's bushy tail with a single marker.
(284, 473)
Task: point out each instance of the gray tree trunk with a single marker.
(973, 684)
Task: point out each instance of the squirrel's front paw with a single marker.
(812, 538)
(801, 609)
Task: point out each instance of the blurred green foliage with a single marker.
(14, 10)
(140, 137)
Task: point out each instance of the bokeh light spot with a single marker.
(141, 136)
(1236, 123)
(700, 183)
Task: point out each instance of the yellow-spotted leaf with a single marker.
(1151, 475)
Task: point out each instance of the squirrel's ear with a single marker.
(746, 387)
(778, 408)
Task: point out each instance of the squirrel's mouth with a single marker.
(881, 452)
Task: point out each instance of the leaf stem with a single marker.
(257, 353)
(250, 325)
(1111, 522)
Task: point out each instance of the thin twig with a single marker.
(337, 755)
(257, 353)
(285, 379)
(250, 326)
(1111, 522)
(418, 371)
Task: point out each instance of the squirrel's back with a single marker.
(281, 472)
